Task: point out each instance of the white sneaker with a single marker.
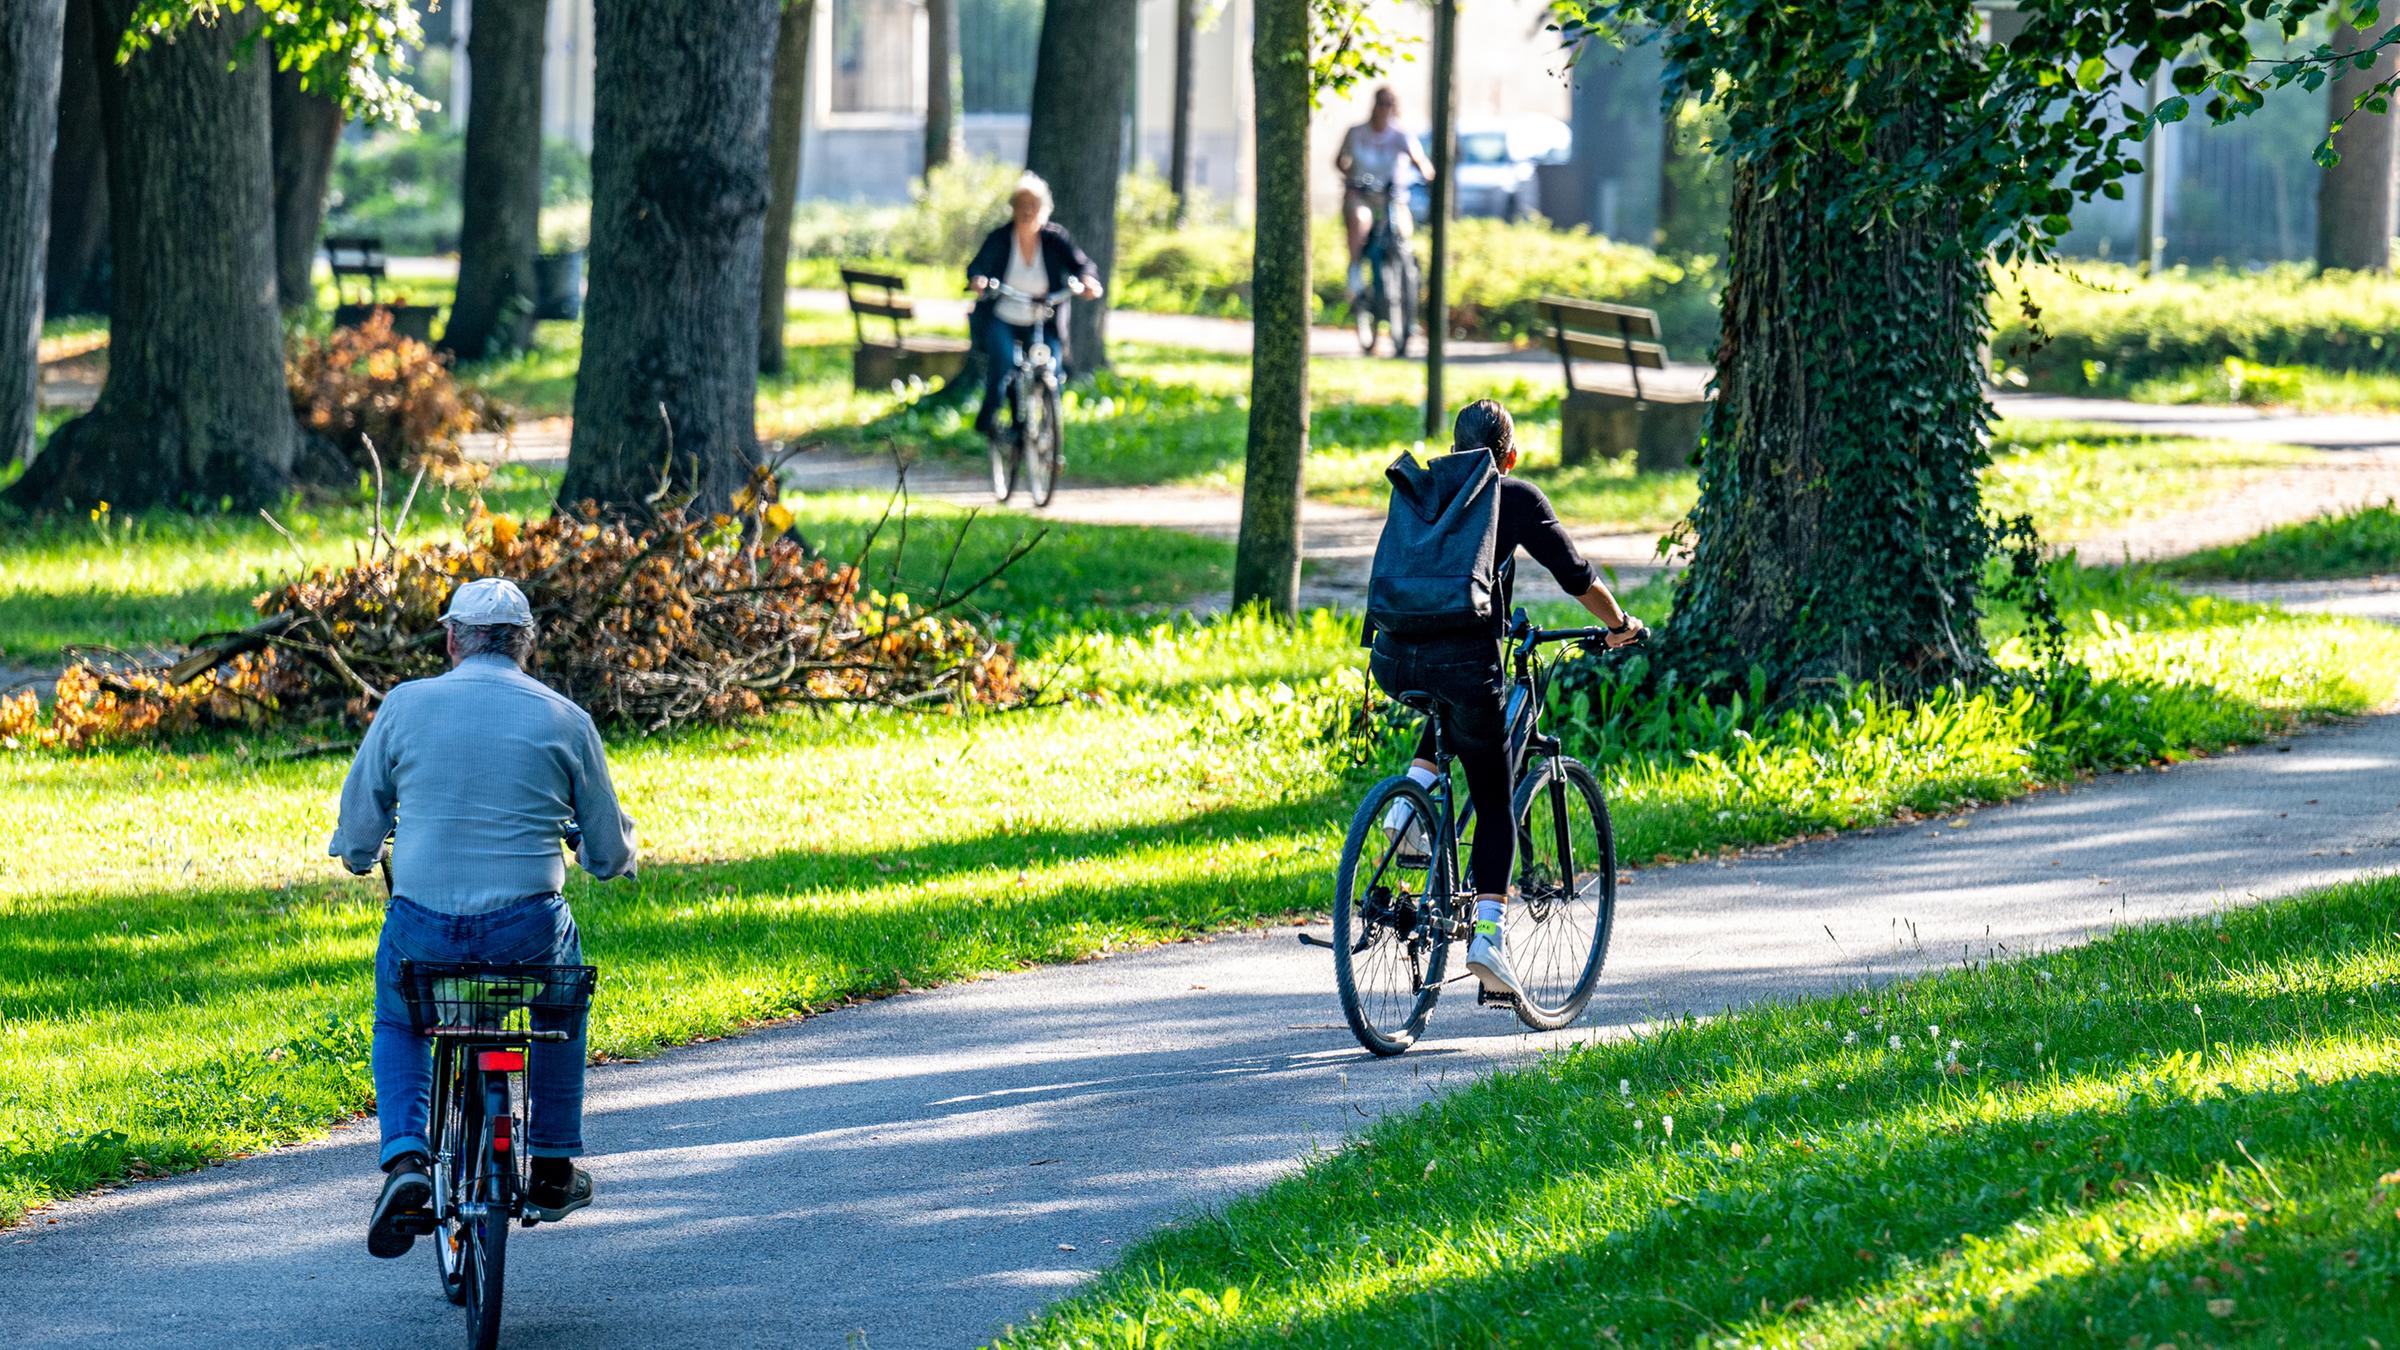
(1405, 838)
(1484, 958)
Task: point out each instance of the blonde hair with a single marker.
(1030, 183)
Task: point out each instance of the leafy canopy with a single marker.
(350, 51)
(2045, 119)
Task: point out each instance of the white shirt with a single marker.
(1030, 275)
(1377, 154)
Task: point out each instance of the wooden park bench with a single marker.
(359, 257)
(1659, 426)
(877, 362)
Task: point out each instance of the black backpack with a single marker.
(1434, 575)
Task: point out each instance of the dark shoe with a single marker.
(402, 1210)
(548, 1202)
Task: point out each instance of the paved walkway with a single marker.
(923, 1170)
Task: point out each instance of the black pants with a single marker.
(1464, 677)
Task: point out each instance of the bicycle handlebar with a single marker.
(1049, 302)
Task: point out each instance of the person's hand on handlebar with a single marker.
(1628, 634)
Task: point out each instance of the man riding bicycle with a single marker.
(484, 768)
(1371, 153)
(1031, 255)
(1462, 670)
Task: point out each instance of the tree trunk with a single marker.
(1266, 560)
(306, 128)
(787, 126)
(944, 141)
(78, 280)
(1179, 128)
(1082, 77)
(1838, 533)
(501, 187)
(194, 412)
(668, 389)
(2354, 198)
(31, 32)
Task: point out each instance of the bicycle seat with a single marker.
(1418, 699)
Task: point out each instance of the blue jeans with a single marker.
(539, 931)
(1002, 344)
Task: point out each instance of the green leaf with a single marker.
(2171, 109)
(2092, 72)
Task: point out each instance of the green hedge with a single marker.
(2109, 327)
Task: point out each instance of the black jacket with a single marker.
(1060, 258)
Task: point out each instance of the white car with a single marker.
(1497, 157)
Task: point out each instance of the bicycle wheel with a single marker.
(1366, 308)
(452, 1130)
(1004, 462)
(1391, 914)
(1404, 303)
(1557, 929)
(484, 1227)
(1045, 443)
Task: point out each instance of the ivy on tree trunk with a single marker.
(1266, 561)
(194, 411)
(501, 188)
(666, 396)
(30, 37)
(1838, 534)
(1082, 79)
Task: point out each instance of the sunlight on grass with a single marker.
(2175, 1131)
(2360, 543)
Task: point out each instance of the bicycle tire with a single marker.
(449, 1132)
(1417, 944)
(1362, 321)
(1558, 927)
(486, 1268)
(1045, 444)
(1003, 451)
(1404, 305)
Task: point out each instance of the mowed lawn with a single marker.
(2176, 1136)
(184, 975)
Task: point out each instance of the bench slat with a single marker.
(852, 276)
(1616, 351)
(896, 309)
(1595, 317)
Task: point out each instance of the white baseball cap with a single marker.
(489, 600)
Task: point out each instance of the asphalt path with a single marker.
(925, 1170)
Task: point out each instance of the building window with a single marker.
(876, 57)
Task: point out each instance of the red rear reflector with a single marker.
(495, 1061)
(504, 1132)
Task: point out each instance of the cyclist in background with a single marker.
(487, 766)
(1035, 255)
(1464, 675)
(1371, 152)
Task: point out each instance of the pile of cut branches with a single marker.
(675, 621)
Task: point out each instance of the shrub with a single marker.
(2107, 327)
(367, 383)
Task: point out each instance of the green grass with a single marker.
(184, 978)
(2358, 543)
(2307, 389)
(2177, 1135)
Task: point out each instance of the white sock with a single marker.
(1489, 911)
(1396, 819)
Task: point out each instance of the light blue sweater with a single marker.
(481, 769)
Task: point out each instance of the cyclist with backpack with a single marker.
(1437, 608)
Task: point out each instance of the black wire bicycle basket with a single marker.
(472, 1000)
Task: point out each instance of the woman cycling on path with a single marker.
(1463, 672)
(1032, 255)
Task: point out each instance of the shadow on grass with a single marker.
(2205, 1128)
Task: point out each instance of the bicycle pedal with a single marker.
(417, 1225)
(1490, 998)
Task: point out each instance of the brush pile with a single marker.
(679, 621)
